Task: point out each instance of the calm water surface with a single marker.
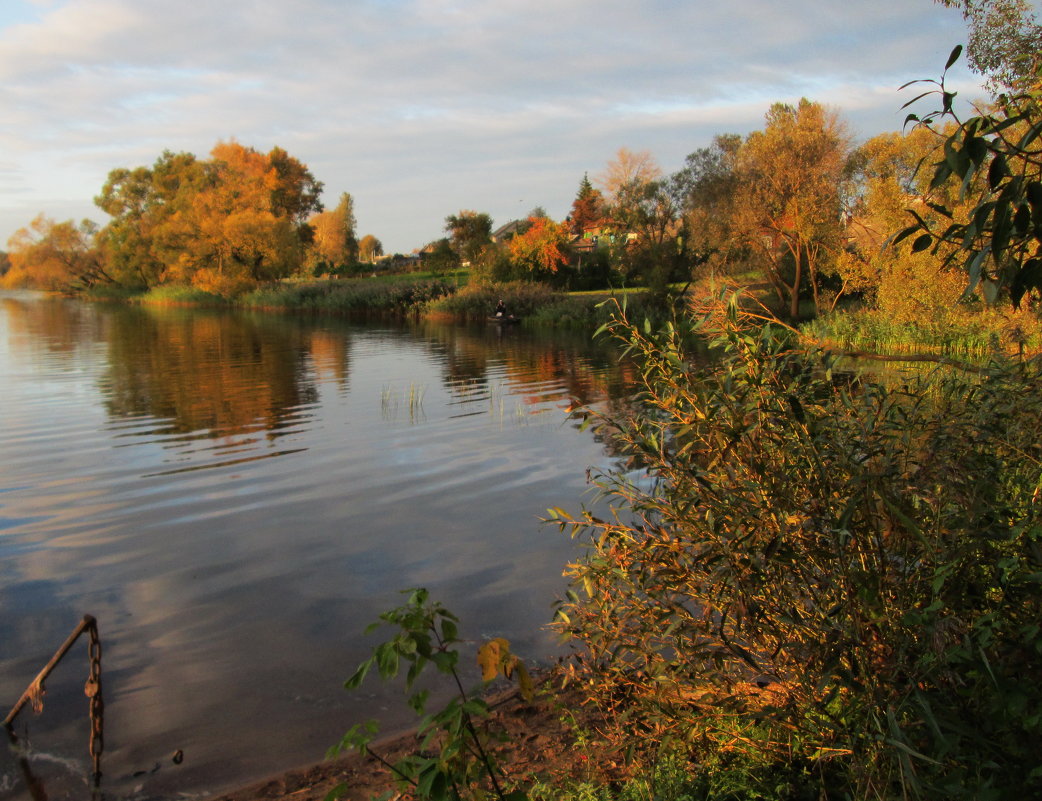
(235, 497)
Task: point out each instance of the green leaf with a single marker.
(1027, 277)
(922, 243)
(953, 56)
(337, 792)
(997, 171)
(359, 675)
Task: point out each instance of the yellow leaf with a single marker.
(491, 656)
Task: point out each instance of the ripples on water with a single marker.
(235, 497)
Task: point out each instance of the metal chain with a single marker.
(93, 691)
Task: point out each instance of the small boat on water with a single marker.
(506, 319)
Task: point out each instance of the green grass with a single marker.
(968, 335)
(350, 295)
(176, 295)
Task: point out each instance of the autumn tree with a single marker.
(907, 286)
(55, 256)
(335, 245)
(788, 208)
(469, 232)
(542, 249)
(588, 208)
(224, 224)
(628, 168)
(370, 248)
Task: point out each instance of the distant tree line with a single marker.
(797, 207)
(225, 224)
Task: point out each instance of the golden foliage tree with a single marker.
(54, 256)
(225, 224)
(788, 204)
(335, 246)
(907, 286)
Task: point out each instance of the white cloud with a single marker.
(421, 107)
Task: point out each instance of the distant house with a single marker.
(507, 232)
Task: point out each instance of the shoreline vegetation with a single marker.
(971, 335)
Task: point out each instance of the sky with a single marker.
(421, 108)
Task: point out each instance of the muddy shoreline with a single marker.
(537, 744)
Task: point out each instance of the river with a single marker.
(236, 496)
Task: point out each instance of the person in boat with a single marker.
(501, 309)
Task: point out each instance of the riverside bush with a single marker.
(398, 297)
(477, 302)
(806, 574)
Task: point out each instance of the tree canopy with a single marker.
(222, 224)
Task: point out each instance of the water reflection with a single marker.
(224, 376)
(234, 496)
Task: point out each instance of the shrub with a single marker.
(804, 569)
(398, 297)
(478, 302)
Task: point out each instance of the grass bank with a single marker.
(444, 297)
(965, 334)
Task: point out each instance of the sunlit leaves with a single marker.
(224, 224)
(542, 248)
(809, 568)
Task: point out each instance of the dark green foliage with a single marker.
(807, 575)
(453, 761)
(479, 302)
(364, 295)
(995, 156)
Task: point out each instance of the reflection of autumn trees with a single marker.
(330, 351)
(216, 373)
(585, 371)
(55, 326)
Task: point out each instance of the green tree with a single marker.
(149, 208)
(708, 184)
(647, 232)
(1005, 39)
(440, 257)
(469, 232)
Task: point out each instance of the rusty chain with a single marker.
(33, 695)
(93, 690)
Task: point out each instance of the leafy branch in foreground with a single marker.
(997, 158)
(454, 760)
